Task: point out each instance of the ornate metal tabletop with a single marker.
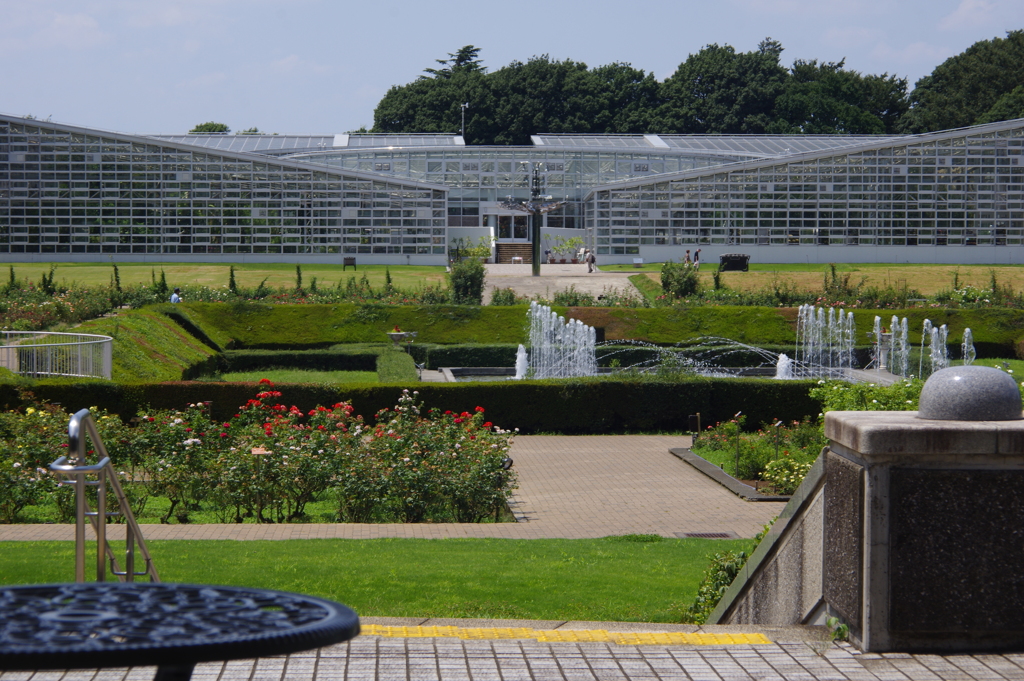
(173, 626)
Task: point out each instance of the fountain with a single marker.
(824, 343)
(926, 336)
(967, 348)
(522, 363)
(939, 352)
(560, 349)
(899, 349)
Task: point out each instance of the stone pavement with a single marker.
(586, 486)
(553, 278)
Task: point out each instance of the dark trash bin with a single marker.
(733, 262)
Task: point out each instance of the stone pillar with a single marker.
(924, 518)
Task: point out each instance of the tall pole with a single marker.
(465, 105)
(535, 219)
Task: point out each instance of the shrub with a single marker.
(507, 296)
(724, 567)
(679, 280)
(786, 474)
(466, 280)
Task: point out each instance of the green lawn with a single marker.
(610, 579)
(216, 275)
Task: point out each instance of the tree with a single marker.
(964, 88)
(210, 126)
(1006, 108)
(465, 60)
(250, 131)
(827, 99)
(719, 90)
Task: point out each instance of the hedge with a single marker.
(592, 405)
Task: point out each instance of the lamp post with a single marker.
(465, 105)
(536, 206)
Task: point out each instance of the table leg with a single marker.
(174, 672)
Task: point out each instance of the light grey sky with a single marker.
(321, 66)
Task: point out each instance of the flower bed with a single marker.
(270, 461)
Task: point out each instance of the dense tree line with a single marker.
(716, 90)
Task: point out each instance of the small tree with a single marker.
(232, 285)
(466, 280)
(679, 279)
(298, 278)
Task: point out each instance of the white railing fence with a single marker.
(42, 354)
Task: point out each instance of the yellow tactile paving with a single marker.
(567, 635)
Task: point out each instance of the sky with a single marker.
(321, 66)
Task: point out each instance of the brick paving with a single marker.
(383, 659)
(572, 487)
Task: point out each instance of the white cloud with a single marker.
(969, 14)
(30, 28)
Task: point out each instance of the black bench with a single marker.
(733, 262)
(347, 262)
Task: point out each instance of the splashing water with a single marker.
(969, 353)
(522, 363)
(560, 349)
(824, 343)
(926, 336)
(939, 352)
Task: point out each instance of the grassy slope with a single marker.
(148, 346)
(590, 579)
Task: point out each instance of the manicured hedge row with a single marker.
(585, 406)
(434, 356)
(315, 360)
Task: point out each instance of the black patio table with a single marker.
(172, 626)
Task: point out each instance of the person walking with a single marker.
(591, 260)
(175, 298)
(696, 260)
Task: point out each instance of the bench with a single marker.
(733, 262)
(347, 262)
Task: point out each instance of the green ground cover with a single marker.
(610, 579)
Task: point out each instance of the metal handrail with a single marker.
(73, 470)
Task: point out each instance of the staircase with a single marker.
(504, 252)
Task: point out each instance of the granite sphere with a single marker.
(970, 393)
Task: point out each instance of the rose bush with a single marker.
(270, 461)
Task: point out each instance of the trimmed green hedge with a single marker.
(361, 359)
(434, 356)
(585, 406)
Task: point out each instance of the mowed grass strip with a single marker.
(610, 579)
(247, 275)
(926, 279)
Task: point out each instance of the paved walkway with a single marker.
(588, 486)
(552, 279)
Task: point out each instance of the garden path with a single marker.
(571, 487)
(552, 279)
